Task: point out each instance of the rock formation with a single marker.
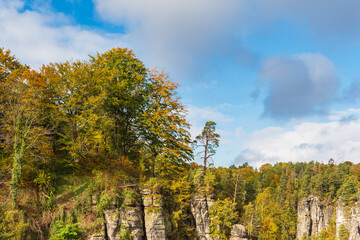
(119, 220)
(200, 206)
(238, 232)
(131, 218)
(313, 217)
(349, 217)
(157, 223)
(112, 221)
(146, 218)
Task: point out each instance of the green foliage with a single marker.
(104, 202)
(12, 224)
(44, 182)
(66, 231)
(125, 235)
(178, 204)
(330, 232)
(222, 216)
(349, 190)
(343, 232)
(208, 140)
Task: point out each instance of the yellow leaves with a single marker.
(269, 229)
(222, 216)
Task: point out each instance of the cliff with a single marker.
(313, 217)
(200, 206)
(148, 219)
(348, 220)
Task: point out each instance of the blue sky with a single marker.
(280, 78)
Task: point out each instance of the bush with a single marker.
(66, 231)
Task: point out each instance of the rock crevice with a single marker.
(313, 217)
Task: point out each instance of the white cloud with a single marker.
(305, 141)
(39, 37)
(186, 35)
(182, 34)
(198, 116)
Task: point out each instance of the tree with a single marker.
(222, 216)
(123, 78)
(164, 127)
(349, 190)
(76, 105)
(22, 110)
(209, 140)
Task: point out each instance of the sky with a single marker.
(280, 78)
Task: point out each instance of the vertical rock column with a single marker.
(313, 217)
(156, 218)
(350, 218)
(112, 221)
(119, 220)
(200, 206)
(131, 218)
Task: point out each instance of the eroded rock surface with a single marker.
(350, 218)
(131, 219)
(112, 221)
(313, 217)
(238, 232)
(157, 224)
(200, 206)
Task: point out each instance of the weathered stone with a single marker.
(200, 206)
(112, 221)
(350, 218)
(156, 218)
(98, 236)
(132, 221)
(238, 232)
(313, 217)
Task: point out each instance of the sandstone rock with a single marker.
(131, 219)
(238, 232)
(313, 217)
(350, 218)
(200, 206)
(112, 221)
(156, 217)
(97, 236)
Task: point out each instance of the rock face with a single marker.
(131, 219)
(312, 217)
(238, 232)
(349, 217)
(200, 206)
(157, 223)
(112, 221)
(146, 218)
(119, 220)
(99, 236)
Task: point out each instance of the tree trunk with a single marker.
(19, 151)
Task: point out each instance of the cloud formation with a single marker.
(329, 17)
(40, 37)
(197, 117)
(298, 85)
(306, 141)
(188, 35)
(184, 34)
